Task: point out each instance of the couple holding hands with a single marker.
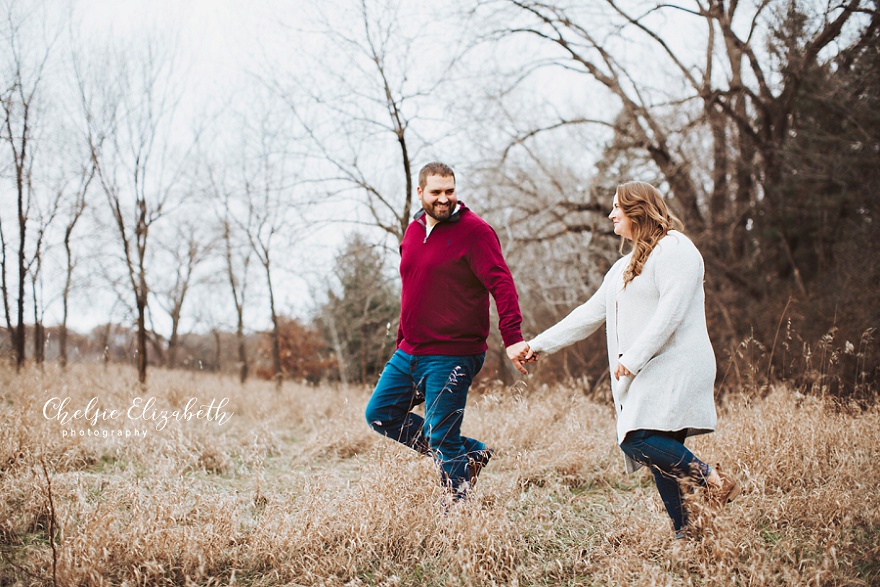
(651, 302)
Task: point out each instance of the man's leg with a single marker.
(389, 409)
(447, 380)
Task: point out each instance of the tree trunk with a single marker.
(338, 350)
(743, 197)
(39, 335)
(276, 334)
(142, 337)
(680, 182)
(4, 286)
(171, 356)
(743, 200)
(218, 350)
(243, 367)
(407, 172)
(720, 185)
(39, 343)
(363, 352)
(22, 271)
(62, 343)
(105, 345)
(65, 302)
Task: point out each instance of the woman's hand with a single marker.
(621, 371)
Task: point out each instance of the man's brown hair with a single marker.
(434, 168)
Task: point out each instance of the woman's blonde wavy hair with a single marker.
(651, 220)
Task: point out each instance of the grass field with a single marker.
(293, 488)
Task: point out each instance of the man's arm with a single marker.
(487, 263)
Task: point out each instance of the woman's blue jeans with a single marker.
(441, 383)
(675, 468)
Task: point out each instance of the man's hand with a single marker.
(520, 353)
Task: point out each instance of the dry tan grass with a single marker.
(296, 490)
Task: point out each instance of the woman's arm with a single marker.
(678, 274)
(578, 325)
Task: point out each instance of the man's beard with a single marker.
(439, 212)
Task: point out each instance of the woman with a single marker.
(661, 359)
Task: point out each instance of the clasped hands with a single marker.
(519, 353)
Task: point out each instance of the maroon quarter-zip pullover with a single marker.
(447, 277)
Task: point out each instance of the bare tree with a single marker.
(237, 264)
(268, 208)
(26, 59)
(43, 220)
(4, 288)
(139, 166)
(370, 119)
(746, 97)
(232, 244)
(263, 231)
(586, 48)
(184, 249)
(77, 206)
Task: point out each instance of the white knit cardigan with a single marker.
(656, 328)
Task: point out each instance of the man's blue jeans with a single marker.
(441, 383)
(674, 467)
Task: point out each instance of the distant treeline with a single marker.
(760, 122)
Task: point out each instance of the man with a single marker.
(450, 260)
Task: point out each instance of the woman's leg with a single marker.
(672, 494)
(673, 465)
